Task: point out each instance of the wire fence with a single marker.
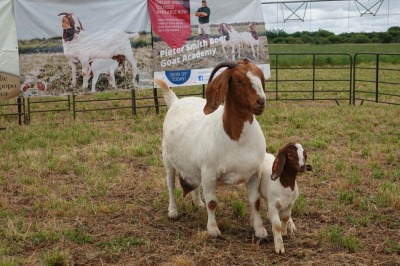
(339, 77)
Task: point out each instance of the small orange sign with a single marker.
(9, 86)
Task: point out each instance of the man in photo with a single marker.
(204, 22)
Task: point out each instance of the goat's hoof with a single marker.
(173, 214)
(280, 250)
(214, 232)
(261, 234)
(292, 228)
(200, 204)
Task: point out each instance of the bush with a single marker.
(360, 38)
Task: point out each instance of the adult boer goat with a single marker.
(83, 47)
(209, 144)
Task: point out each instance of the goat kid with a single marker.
(251, 39)
(279, 188)
(209, 144)
(104, 66)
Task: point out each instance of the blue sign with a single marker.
(178, 77)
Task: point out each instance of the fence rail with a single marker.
(379, 84)
(320, 76)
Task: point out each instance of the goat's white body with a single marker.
(247, 39)
(98, 67)
(207, 146)
(196, 145)
(85, 47)
(234, 42)
(280, 203)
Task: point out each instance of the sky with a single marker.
(337, 16)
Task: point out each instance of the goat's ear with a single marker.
(279, 163)
(216, 91)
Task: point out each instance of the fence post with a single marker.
(313, 79)
(133, 96)
(29, 111)
(377, 79)
(354, 78)
(74, 105)
(276, 77)
(19, 104)
(351, 80)
(156, 100)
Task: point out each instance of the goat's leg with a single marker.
(273, 214)
(287, 223)
(258, 50)
(252, 49)
(111, 80)
(94, 81)
(73, 73)
(135, 74)
(86, 81)
(196, 197)
(233, 52)
(170, 170)
(209, 184)
(254, 201)
(223, 49)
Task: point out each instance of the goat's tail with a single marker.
(169, 96)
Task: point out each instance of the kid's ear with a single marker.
(278, 165)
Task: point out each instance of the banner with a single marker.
(68, 46)
(56, 47)
(9, 68)
(191, 37)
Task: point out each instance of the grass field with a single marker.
(89, 192)
(94, 193)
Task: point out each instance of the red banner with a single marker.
(170, 19)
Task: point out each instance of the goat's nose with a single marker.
(261, 101)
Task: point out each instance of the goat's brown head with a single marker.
(223, 31)
(69, 20)
(120, 58)
(242, 87)
(292, 159)
(242, 84)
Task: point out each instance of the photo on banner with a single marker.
(190, 37)
(78, 47)
(9, 68)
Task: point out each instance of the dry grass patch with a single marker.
(94, 193)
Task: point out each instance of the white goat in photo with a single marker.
(104, 66)
(209, 144)
(279, 188)
(232, 39)
(251, 38)
(81, 47)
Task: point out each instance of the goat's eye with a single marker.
(238, 81)
(290, 156)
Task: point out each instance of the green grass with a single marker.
(67, 187)
(93, 186)
(295, 54)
